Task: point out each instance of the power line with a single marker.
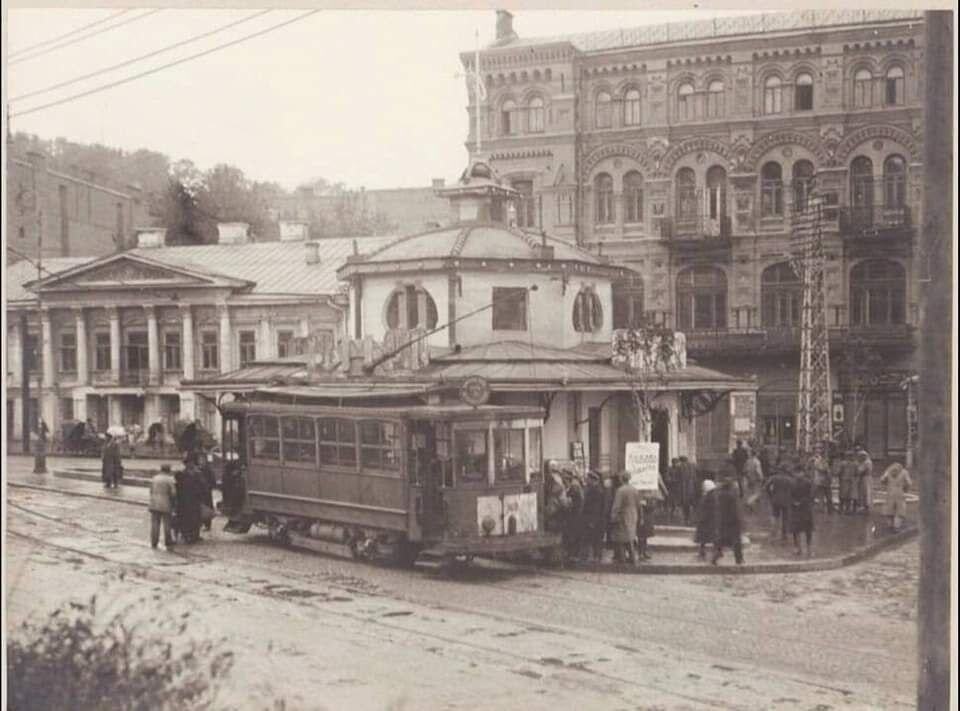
(120, 65)
(96, 32)
(183, 60)
(27, 50)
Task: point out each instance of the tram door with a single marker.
(428, 473)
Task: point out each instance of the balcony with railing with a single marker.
(876, 222)
(769, 340)
(695, 231)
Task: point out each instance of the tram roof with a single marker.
(451, 411)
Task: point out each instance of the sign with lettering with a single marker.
(642, 460)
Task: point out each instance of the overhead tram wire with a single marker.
(74, 41)
(148, 72)
(58, 38)
(142, 57)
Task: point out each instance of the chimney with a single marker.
(313, 252)
(438, 183)
(233, 233)
(505, 31)
(151, 237)
(294, 231)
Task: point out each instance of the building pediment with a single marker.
(121, 271)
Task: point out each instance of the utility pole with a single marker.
(25, 355)
(813, 393)
(937, 372)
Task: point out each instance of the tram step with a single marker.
(237, 525)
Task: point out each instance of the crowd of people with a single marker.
(181, 502)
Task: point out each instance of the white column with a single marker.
(188, 406)
(186, 321)
(267, 346)
(226, 340)
(115, 410)
(14, 350)
(114, 314)
(80, 406)
(153, 346)
(46, 336)
(83, 369)
(151, 409)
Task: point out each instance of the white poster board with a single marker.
(642, 460)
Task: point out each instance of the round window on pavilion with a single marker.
(411, 307)
(587, 311)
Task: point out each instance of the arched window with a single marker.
(715, 99)
(587, 311)
(803, 172)
(701, 298)
(862, 89)
(686, 187)
(631, 108)
(633, 197)
(803, 92)
(893, 86)
(603, 186)
(411, 307)
(716, 193)
(628, 303)
(894, 182)
(878, 290)
(861, 183)
(773, 95)
(604, 117)
(771, 190)
(535, 115)
(685, 101)
(509, 118)
(780, 296)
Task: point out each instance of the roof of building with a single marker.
(278, 268)
(759, 23)
(479, 241)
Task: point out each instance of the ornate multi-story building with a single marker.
(683, 150)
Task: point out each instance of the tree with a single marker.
(648, 354)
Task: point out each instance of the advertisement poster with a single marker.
(642, 460)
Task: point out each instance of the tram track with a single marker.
(510, 665)
(507, 586)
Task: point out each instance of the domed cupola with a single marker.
(480, 195)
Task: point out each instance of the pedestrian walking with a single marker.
(801, 509)
(822, 479)
(739, 458)
(163, 496)
(753, 473)
(706, 518)
(848, 483)
(864, 480)
(625, 515)
(111, 464)
(649, 500)
(594, 517)
(190, 497)
(729, 529)
(897, 480)
(779, 488)
(572, 519)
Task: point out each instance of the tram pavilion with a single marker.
(525, 317)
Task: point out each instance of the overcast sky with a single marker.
(370, 98)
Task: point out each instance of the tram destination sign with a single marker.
(642, 460)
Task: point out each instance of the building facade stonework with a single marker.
(683, 150)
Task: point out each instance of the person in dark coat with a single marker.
(847, 478)
(779, 488)
(689, 492)
(573, 516)
(209, 484)
(801, 509)
(729, 523)
(111, 465)
(594, 516)
(739, 458)
(625, 515)
(190, 497)
(706, 518)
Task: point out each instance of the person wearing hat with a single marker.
(593, 517)
(706, 518)
(801, 509)
(729, 528)
(624, 515)
(163, 494)
(111, 465)
(779, 488)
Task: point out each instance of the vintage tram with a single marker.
(372, 472)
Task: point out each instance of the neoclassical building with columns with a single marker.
(111, 339)
(682, 151)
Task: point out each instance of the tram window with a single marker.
(299, 441)
(265, 437)
(338, 442)
(508, 454)
(471, 452)
(379, 442)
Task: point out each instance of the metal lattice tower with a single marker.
(813, 396)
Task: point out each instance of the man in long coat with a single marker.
(190, 497)
(163, 493)
(846, 476)
(779, 488)
(739, 458)
(706, 518)
(594, 518)
(729, 523)
(897, 480)
(111, 466)
(864, 480)
(801, 509)
(688, 487)
(624, 515)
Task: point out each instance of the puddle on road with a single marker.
(299, 593)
